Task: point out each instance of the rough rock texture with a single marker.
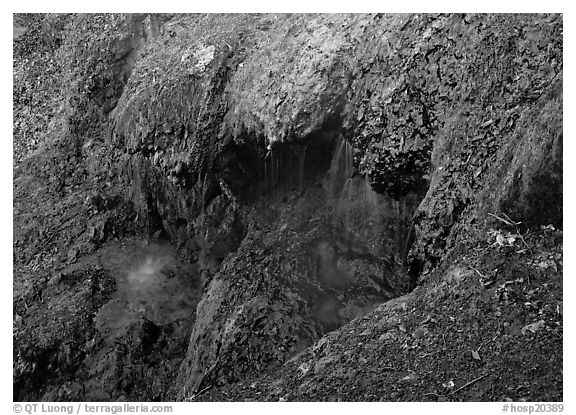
(489, 315)
(294, 277)
(37, 80)
(169, 125)
(217, 131)
(501, 109)
(68, 204)
(55, 346)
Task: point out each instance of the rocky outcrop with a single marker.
(457, 337)
(194, 134)
(222, 130)
(419, 122)
(37, 80)
(53, 346)
(480, 159)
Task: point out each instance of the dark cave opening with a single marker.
(359, 254)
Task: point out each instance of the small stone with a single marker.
(534, 327)
(411, 378)
(55, 279)
(366, 332)
(89, 345)
(420, 332)
(73, 254)
(386, 336)
(449, 384)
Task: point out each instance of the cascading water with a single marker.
(302, 157)
(357, 209)
(365, 222)
(352, 238)
(341, 169)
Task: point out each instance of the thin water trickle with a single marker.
(356, 207)
(353, 235)
(272, 172)
(302, 158)
(204, 192)
(265, 174)
(341, 168)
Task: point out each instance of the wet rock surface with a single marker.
(293, 175)
(101, 327)
(298, 274)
